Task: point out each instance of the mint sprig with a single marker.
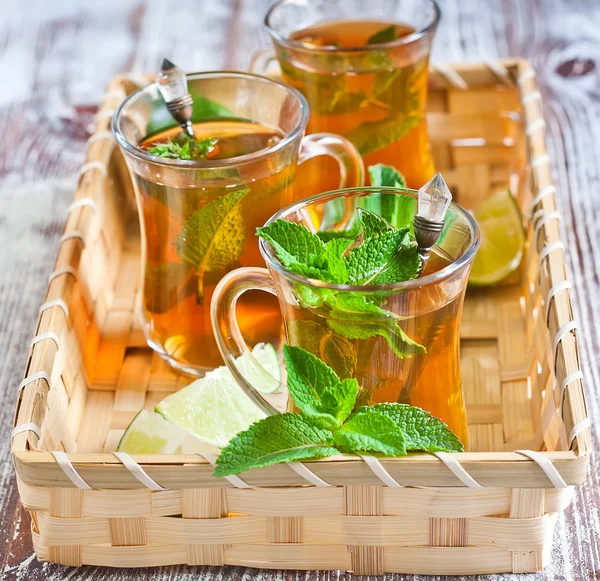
(369, 252)
(325, 425)
(184, 148)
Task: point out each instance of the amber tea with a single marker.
(195, 234)
(374, 93)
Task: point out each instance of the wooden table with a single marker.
(55, 60)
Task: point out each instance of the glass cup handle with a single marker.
(262, 60)
(352, 169)
(227, 331)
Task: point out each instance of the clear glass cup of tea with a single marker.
(362, 66)
(198, 218)
(369, 346)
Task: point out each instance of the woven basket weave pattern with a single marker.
(90, 371)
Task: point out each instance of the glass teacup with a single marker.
(363, 67)
(198, 218)
(427, 309)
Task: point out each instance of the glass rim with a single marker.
(416, 283)
(409, 38)
(136, 151)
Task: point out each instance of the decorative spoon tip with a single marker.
(167, 65)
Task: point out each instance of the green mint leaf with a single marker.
(405, 265)
(373, 135)
(213, 237)
(165, 285)
(383, 81)
(357, 317)
(204, 110)
(305, 253)
(385, 256)
(333, 259)
(367, 261)
(422, 431)
(279, 438)
(351, 234)
(339, 399)
(396, 210)
(170, 150)
(387, 34)
(370, 432)
(332, 348)
(316, 389)
(184, 148)
(313, 297)
(307, 375)
(200, 149)
(386, 175)
(296, 247)
(372, 224)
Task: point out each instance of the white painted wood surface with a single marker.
(55, 60)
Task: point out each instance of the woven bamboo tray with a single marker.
(491, 509)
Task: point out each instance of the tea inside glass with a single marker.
(428, 309)
(363, 69)
(177, 285)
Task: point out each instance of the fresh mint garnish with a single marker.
(371, 253)
(213, 237)
(184, 148)
(279, 438)
(422, 431)
(387, 34)
(324, 426)
(370, 433)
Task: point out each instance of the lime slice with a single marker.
(150, 433)
(502, 239)
(215, 408)
(261, 367)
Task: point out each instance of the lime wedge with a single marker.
(502, 239)
(150, 433)
(261, 368)
(215, 408)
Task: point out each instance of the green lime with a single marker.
(215, 408)
(150, 433)
(261, 368)
(502, 239)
